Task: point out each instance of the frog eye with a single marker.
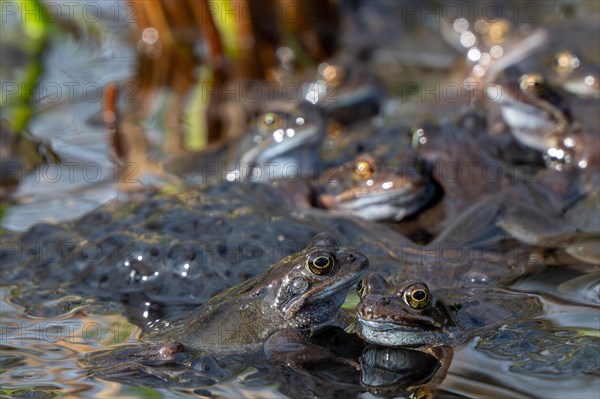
(531, 83)
(417, 296)
(334, 75)
(565, 62)
(360, 288)
(320, 263)
(270, 122)
(364, 169)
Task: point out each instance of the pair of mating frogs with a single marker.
(306, 290)
(279, 312)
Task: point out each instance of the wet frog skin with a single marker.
(391, 372)
(546, 119)
(281, 143)
(168, 254)
(345, 90)
(463, 171)
(534, 112)
(412, 315)
(378, 187)
(302, 291)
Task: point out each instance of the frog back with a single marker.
(478, 308)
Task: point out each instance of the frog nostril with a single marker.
(351, 257)
(384, 301)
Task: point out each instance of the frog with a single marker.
(464, 173)
(282, 141)
(412, 315)
(291, 300)
(345, 91)
(535, 220)
(170, 253)
(468, 175)
(536, 114)
(378, 186)
(302, 291)
(163, 255)
(545, 119)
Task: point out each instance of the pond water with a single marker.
(40, 355)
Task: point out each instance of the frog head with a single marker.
(406, 315)
(282, 144)
(309, 287)
(376, 187)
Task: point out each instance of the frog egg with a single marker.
(182, 261)
(140, 271)
(477, 277)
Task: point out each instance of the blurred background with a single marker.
(94, 91)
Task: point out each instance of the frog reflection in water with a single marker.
(302, 291)
(377, 187)
(401, 372)
(412, 315)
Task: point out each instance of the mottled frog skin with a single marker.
(171, 253)
(302, 291)
(413, 315)
(381, 186)
(535, 113)
(282, 142)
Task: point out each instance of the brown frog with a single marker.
(300, 292)
(381, 186)
(413, 315)
(279, 308)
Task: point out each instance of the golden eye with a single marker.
(417, 296)
(499, 31)
(531, 83)
(565, 62)
(270, 122)
(364, 169)
(361, 288)
(334, 75)
(320, 263)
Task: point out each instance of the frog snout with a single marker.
(355, 258)
(383, 301)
